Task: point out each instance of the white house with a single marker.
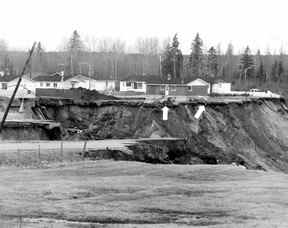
(83, 81)
(78, 81)
(8, 84)
(133, 83)
(135, 86)
(198, 84)
(138, 83)
(221, 87)
(104, 85)
(53, 81)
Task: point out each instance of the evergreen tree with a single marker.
(75, 44)
(280, 70)
(274, 71)
(247, 64)
(212, 62)
(75, 48)
(196, 58)
(167, 62)
(7, 67)
(261, 73)
(39, 60)
(177, 59)
(228, 67)
(172, 63)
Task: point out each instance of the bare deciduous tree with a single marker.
(148, 45)
(3, 45)
(111, 45)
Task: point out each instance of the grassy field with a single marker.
(131, 194)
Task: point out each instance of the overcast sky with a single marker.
(257, 23)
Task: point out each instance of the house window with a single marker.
(47, 84)
(162, 88)
(41, 84)
(4, 86)
(128, 84)
(73, 84)
(55, 85)
(190, 88)
(173, 88)
(139, 85)
(29, 91)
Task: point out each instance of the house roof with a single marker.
(143, 78)
(198, 81)
(56, 77)
(220, 81)
(151, 79)
(79, 77)
(8, 78)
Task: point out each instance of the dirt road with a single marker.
(132, 194)
(27, 145)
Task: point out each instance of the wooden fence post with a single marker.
(61, 151)
(18, 156)
(39, 154)
(84, 149)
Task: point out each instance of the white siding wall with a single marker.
(26, 88)
(74, 83)
(104, 85)
(221, 87)
(25, 85)
(125, 88)
(47, 85)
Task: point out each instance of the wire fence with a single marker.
(26, 153)
(20, 154)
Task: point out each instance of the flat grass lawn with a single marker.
(132, 194)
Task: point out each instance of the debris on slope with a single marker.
(252, 133)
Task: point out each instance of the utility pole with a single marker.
(17, 86)
(89, 72)
(160, 67)
(174, 66)
(71, 65)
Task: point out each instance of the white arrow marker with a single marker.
(165, 113)
(199, 112)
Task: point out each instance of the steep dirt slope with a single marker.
(253, 133)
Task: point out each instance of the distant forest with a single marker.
(110, 61)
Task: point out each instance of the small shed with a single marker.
(167, 89)
(198, 87)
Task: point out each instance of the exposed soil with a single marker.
(250, 133)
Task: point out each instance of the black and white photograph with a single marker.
(143, 114)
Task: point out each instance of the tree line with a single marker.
(107, 59)
(212, 65)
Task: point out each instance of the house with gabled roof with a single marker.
(198, 87)
(83, 81)
(138, 83)
(52, 81)
(8, 84)
(77, 81)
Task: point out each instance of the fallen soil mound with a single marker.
(85, 95)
